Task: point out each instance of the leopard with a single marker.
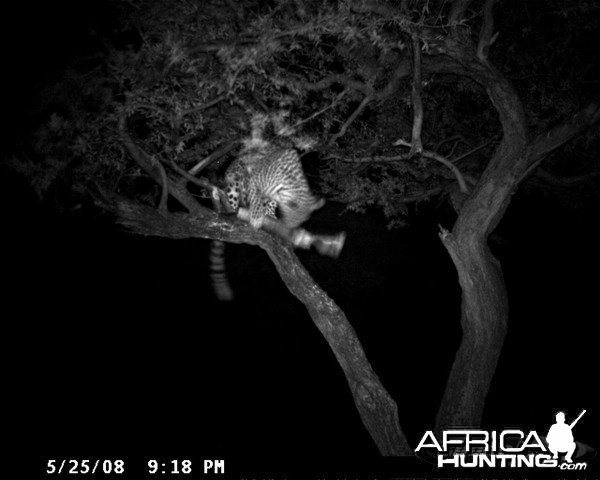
(266, 178)
(269, 181)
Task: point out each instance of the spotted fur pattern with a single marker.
(269, 181)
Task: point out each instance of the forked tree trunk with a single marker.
(484, 311)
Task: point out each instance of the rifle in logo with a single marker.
(577, 419)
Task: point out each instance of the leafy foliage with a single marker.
(189, 74)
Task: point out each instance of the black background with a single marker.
(116, 346)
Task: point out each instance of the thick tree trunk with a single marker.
(483, 320)
(484, 311)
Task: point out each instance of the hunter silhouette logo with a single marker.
(560, 437)
(508, 448)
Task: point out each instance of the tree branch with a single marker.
(332, 80)
(382, 159)
(323, 110)
(457, 138)
(411, 198)
(356, 113)
(438, 158)
(374, 6)
(473, 150)
(164, 196)
(212, 157)
(153, 169)
(486, 36)
(546, 142)
(457, 12)
(566, 182)
(377, 409)
(220, 201)
(484, 310)
(204, 106)
(417, 145)
(401, 71)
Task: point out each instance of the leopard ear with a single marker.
(318, 204)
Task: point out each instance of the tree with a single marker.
(403, 99)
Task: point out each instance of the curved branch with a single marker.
(566, 182)
(452, 167)
(484, 310)
(438, 158)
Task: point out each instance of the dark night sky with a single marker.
(132, 355)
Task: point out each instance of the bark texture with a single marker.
(484, 311)
(377, 409)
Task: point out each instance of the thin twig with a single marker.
(323, 110)
(446, 140)
(164, 196)
(331, 80)
(199, 181)
(212, 157)
(473, 150)
(204, 106)
(352, 117)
